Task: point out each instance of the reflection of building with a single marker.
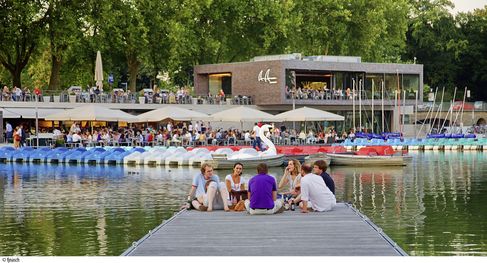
(326, 82)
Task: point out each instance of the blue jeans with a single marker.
(257, 142)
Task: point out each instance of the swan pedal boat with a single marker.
(351, 159)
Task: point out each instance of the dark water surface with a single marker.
(434, 206)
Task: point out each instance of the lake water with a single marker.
(434, 206)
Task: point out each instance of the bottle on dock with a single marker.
(188, 206)
(293, 206)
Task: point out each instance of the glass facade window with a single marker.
(219, 82)
(410, 84)
(407, 82)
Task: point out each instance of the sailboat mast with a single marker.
(438, 111)
(416, 114)
(372, 105)
(463, 107)
(450, 109)
(398, 99)
(360, 104)
(353, 105)
(382, 106)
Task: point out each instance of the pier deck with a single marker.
(341, 232)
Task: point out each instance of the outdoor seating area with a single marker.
(94, 95)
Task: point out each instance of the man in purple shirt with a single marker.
(262, 193)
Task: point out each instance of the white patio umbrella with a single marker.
(171, 112)
(92, 113)
(309, 114)
(99, 71)
(243, 114)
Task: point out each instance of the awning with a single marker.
(28, 113)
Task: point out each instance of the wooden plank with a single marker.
(341, 232)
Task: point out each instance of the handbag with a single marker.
(240, 206)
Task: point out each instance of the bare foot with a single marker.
(209, 209)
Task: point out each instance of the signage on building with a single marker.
(266, 77)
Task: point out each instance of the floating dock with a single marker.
(341, 232)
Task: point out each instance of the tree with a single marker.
(63, 21)
(433, 38)
(374, 30)
(22, 24)
(220, 31)
(473, 64)
(125, 31)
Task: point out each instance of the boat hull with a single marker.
(271, 161)
(319, 156)
(365, 160)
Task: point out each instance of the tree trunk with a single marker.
(133, 67)
(16, 77)
(55, 79)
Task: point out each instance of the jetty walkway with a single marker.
(341, 232)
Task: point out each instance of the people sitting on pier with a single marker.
(319, 168)
(236, 184)
(209, 192)
(291, 179)
(315, 195)
(263, 193)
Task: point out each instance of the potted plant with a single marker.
(56, 97)
(72, 97)
(141, 97)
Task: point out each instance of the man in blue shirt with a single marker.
(319, 168)
(209, 192)
(262, 193)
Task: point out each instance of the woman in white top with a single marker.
(291, 180)
(236, 184)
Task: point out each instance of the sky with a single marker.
(468, 5)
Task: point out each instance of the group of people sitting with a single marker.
(309, 188)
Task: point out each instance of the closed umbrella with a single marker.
(99, 71)
(171, 112)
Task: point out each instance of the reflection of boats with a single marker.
(365, 160)
(364, 170)
(317, 156)
(224, 163)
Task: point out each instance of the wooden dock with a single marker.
(341, 232)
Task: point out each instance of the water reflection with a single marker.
(431, 207)
(84, 210)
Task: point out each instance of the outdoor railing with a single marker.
(164, 98)
(279, 141)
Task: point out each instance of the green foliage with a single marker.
(54, 42)
(22, 25)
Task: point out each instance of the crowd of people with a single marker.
(16, 135)
(319, 94)
(18, 94)
(310, 188)
(96, 94)
(175, 133)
